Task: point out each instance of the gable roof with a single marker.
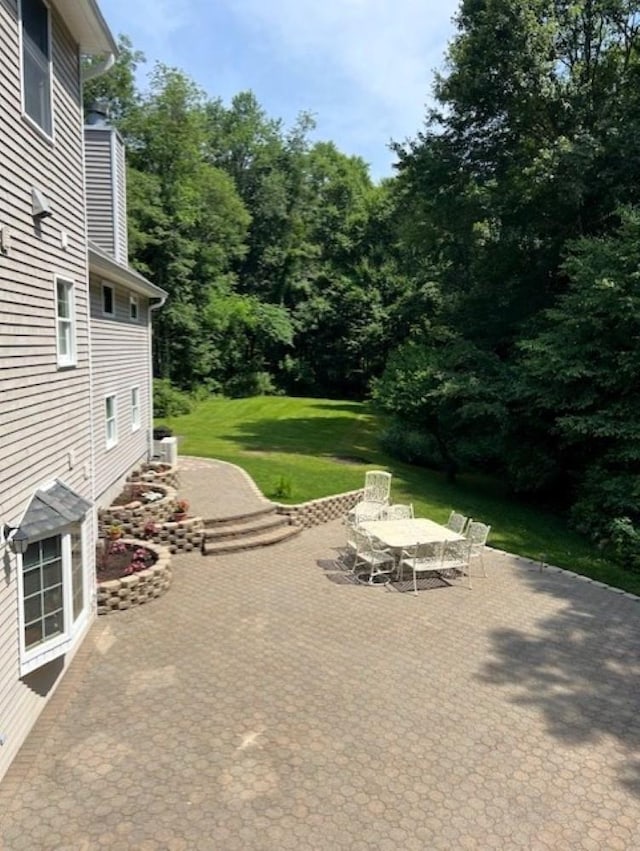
(52, 508)
(87, 25)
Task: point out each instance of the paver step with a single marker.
(250, 541)
(236, 528)
(212, 523)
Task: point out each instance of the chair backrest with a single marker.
(366, 511)
(478, 533)
(351, 535)
(457, 552)
(456, 522)
(364, 542)
(377, 486)
(431, 552)
(398, 512)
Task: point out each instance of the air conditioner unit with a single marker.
(166, 450)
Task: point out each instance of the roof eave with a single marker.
(102, 264)
(87, 26)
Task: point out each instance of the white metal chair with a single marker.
(456, 522)
(423, 558)
(397, 512)
(377, 487)
(477, 534)
(456, 557)
(348, 557)
(379, 562)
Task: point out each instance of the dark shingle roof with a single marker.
(51, 509)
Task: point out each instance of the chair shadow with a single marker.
(339, 571)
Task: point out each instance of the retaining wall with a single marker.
(318, 511)
(138, 588)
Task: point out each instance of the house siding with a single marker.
(99, 181)
(106, 191)
(45, 412)
(120, 357)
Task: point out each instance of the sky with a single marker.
(363, 68)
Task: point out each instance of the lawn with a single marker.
(301, 449)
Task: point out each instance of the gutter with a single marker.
(98, 68)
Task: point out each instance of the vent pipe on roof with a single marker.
(98, 114)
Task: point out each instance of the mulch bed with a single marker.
(119, 560)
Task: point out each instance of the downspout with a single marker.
(154, 304)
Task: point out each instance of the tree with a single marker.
(579, 373)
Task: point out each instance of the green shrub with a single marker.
(251, 384)
(283, 489)
(168, 401)
(626, 542)
(410, 445)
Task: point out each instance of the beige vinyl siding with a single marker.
(120, 357)
(120, 186)
(106, 191)
(44, 412)
(99, 181)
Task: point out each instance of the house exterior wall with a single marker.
(45, 411)
(121, 361)
(106, 191)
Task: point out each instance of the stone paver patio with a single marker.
(266, 702)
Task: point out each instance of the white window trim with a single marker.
(134, 301)
(110, 443)
(135, 409)
(59, 644)
(72, 358)
(49, 137)
(107, 286)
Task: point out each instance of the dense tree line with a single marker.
(488, 295)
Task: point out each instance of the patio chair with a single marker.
(378, 561)
(399, 511)
(377, 486)
(456, 558)
(423, 558)
(456, 522)
(477, 534)
(350, 552)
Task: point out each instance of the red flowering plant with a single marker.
(149, 529)
(140, 560)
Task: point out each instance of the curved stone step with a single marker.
(238, 527)
(213, 523)
(250, 540)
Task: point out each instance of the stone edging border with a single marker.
(542, 566)
(138, 588)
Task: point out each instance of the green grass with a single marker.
(320, 447)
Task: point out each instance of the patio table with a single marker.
(402, 534)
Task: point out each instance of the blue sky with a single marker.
(364, 68)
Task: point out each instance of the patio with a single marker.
(268, 702)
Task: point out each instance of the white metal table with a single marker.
(402, 534)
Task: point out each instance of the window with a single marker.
(65, 323)
(135, 408)
(53, 598)
(134, 307)
(43, 592)
(110, 421)
(108, 300)
(36, 63)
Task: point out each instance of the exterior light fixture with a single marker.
(16, 539)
